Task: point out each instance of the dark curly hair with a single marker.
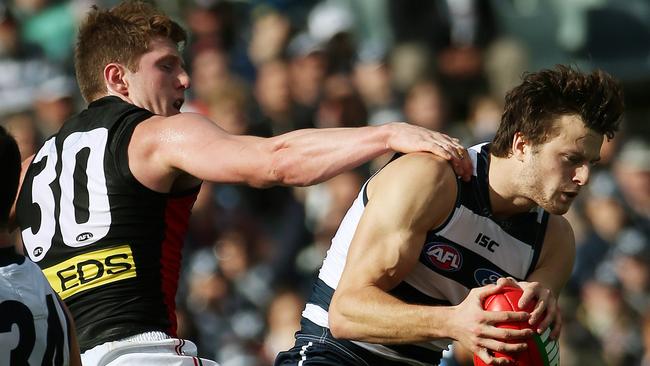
(543, 96)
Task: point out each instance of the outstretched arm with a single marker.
(191, 143)
(311, 156)
(407, 198)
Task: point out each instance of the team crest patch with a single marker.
(484, 276)
(443, 256)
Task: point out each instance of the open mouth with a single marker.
(570, 195)
(178, 103)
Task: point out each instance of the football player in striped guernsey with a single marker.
(35, 328)
(105, 202)
(419, 249)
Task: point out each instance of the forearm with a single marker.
(310, 156)
(371, 315)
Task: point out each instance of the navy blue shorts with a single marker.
(315, 345)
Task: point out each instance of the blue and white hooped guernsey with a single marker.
(469, 250)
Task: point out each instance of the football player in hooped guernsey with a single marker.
(419, 249)
(105, 202)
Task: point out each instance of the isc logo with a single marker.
(486, 242)
(444, 256)
(90, 270)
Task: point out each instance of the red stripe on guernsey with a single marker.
(177, 217)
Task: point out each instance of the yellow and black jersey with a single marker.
(109, 246)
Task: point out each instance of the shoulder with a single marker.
(160, 146)
(559, 241)
(181, 121)
(417, 170)
(559, 230)
(166, 132)
(418, 186)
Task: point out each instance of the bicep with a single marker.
(382, 251)
(217, 156)
(192, 144)
(392, 230)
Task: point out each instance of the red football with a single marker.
(541, 351)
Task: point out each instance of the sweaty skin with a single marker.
(415, 194)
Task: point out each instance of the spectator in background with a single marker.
(228, 294)
(632, 172)
(270, 35)
(483, 118)
(212, 22)
(372, 78)
(646, 339)
(605, 218)
(283, 320)
(425, 105)
(23, 128)
(23, 67)
(456, 32)
(325, 206)
(210, 72)
(605, 314)
(51, 26)
(54, 103)
(341, 105)
(272, 92)
(631, 260)
(331, 23)
(208, 302)
(308, 65)
(228, 107)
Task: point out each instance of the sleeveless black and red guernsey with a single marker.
(109, 246)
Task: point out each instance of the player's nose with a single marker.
(184, 80)
(582, 174)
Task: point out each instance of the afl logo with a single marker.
(444, 257)
(38, 251)
(84, 236)
(484, 276)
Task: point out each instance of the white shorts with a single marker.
(151, 348)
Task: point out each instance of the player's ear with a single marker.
(519, 146)
(115, 79)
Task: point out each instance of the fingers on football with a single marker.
(547, 319)
(529, 297)
(539, 312)
(513, 337)
(502, 347)
(507, 281)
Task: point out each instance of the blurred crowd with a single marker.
(267, 67)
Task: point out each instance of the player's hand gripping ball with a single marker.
(541, 351)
